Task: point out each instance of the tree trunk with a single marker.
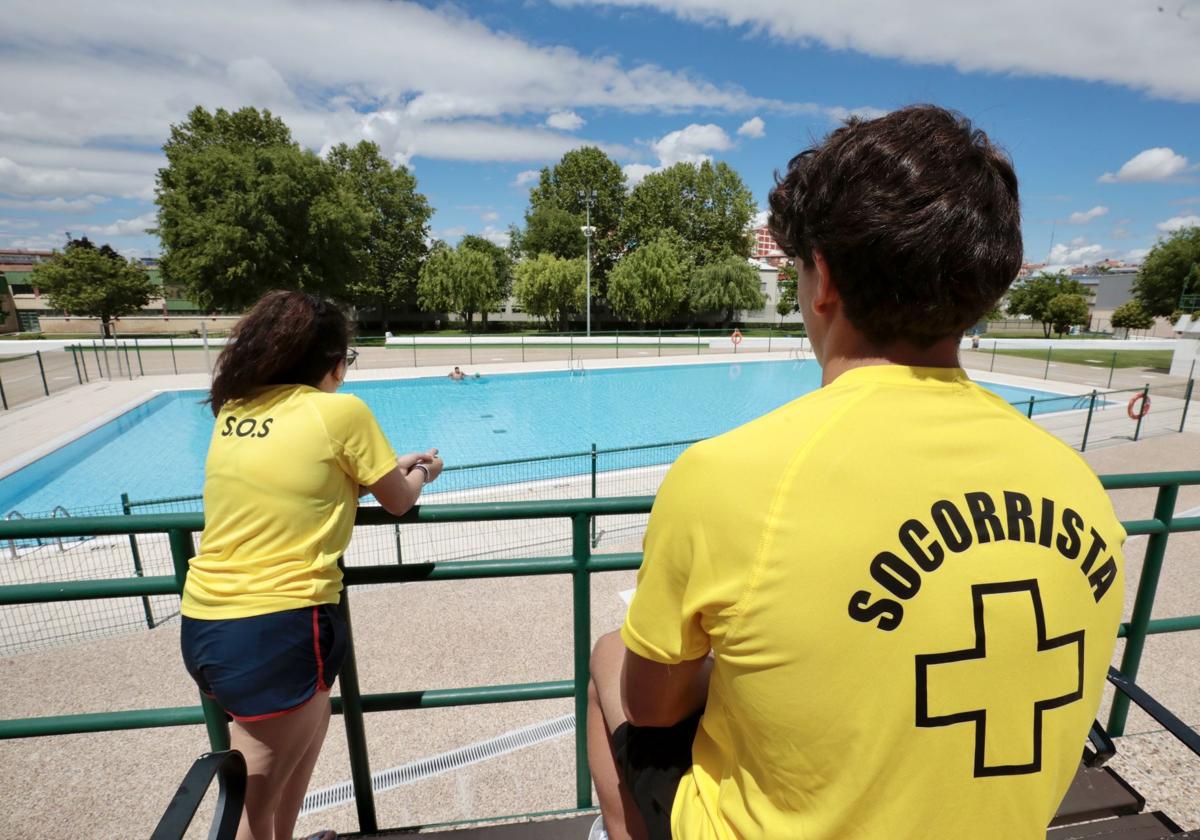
(106, 326)
(1046, 327)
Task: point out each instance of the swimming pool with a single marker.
(157, 450)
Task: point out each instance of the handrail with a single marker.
(579, 565)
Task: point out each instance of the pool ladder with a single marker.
(16, 514)
(576, 367)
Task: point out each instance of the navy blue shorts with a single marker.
(266, 665)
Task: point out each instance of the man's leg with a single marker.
(622, 819)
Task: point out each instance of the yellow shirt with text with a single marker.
(911, 593)
(280, 493)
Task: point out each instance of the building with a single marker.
(28, 310)
(766, 249)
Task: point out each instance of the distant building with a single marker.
(766, 249)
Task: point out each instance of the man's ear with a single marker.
(826, 298)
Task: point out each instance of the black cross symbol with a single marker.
(1009, 685)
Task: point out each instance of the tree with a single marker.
(707, 205)
(1167, 271)
(501, 261)
(550, 287)
(459, 280)
(788, 302)
(96, 282)
(650, 284)
(1065, 311)
(556, 214)
(725, 286)
(398, 219)
(1130, 315)
(242, 209)
(1033, 296)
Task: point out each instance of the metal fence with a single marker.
(179, 529)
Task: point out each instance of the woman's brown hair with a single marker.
(287, 338)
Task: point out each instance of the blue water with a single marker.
(157, 450)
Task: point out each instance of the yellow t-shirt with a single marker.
(912, 596)
(280, 492)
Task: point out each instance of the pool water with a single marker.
(157, 450)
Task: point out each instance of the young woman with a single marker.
(288, 460)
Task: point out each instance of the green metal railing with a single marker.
(580, 565)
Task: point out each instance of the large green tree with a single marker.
(550, 287)
(707, 205)
(725, 286)
(1131, 315)
(501, 261)
(96, 282)
(459, 280)
(1032, 296)
(242, 209)
(1067, 310)
(650, 284)
(398, 226)
(1171, 269)
(556, 213)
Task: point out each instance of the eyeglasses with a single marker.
(351, 356)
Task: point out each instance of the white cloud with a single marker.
(496, 236)
(18, 224)
(125, 227)
(1077, 252)
(1024, 37)
(1179, 223)
(1136, 255)
(526, 177)
(866, 112)
(490, 216)
(35, 243)
(565, 121)
(1157, 164)
(1187, 200)
(1085, 216)
(21, 180)
(753, 127)
(760, 218)
(57, 205)
(691, 144)
(636, 172)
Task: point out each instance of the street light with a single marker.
(588, 199)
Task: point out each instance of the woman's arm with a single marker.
(399, 489)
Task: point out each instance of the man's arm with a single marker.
(654, 694)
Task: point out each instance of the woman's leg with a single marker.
(274, 749)
(296, 786)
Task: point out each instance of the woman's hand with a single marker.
(407, 462)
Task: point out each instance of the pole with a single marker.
(116, 347)
(174, 364)
(42, 371)
(414, 341)
(127, 509)
(582, 627)
(470, 349)
(593, 493)
(993, 365)
(128, 366)
(522, 349)
(356, 736)
(1112, 366)
(1187, 399)
(3, 396)
(1087, 427)
(1029, 414)
(137, 348)
(589, 269)
(697, 341)
(75, 359)
(1049, 351)
(660, 342)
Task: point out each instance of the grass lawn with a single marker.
(1158, 359)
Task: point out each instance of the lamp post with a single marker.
(588, 199)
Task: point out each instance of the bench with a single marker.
(1099, 805)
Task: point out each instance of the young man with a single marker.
(885, 609)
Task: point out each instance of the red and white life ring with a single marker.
(1135, 411)
(736, 338)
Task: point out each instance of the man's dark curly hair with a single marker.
(916, 214)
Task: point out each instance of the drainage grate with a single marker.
(406, 774)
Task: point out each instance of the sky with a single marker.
(1097, 101)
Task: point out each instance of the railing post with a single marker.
(399, 548)
(660, 343)
(42, 371)
(593, 493)
(137, 348)
(1088, 425)
(697, 341)
(1143, 604)
(470, 349)
(3, 396)
(1049, 351)
(75, 359)
(174, 364)
(1187, 400)
(1142, 412)
(128, 366)
(995, 342)
(617, 344)
(215, 723)
(582, 592)
(1111, 367)
(1029, 413)
(127, 509)
(571, 348)
(356, 734)
(522, 348)
(414, 342)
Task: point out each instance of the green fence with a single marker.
(580, 564)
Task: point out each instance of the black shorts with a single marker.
(652, 760)
(266, 665)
